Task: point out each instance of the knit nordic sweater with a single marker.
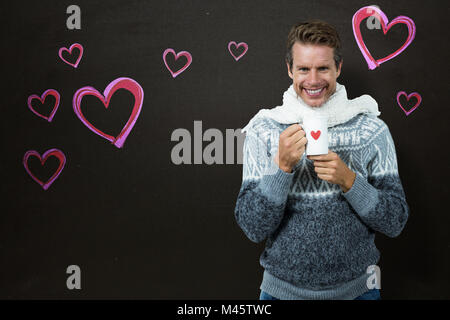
(320, 240)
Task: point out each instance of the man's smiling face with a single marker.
(313, 72)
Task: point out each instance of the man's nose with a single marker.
(313, 77)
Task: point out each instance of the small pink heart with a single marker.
(185, 54)
(414, 94)
(120, 83)
(373, 11)
(75, 45)
(52, 152)
(51, 92)
(241, 44)
(315, 134)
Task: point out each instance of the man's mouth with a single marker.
(314, 92)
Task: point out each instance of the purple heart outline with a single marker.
(42, 98)
(52, 152)
(120, 83)
(75, 45)
(408, 96)
(177, 55)
(365, 12)
(241, 44)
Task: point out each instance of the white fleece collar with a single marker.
(338, 108)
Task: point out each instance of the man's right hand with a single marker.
(291, 147)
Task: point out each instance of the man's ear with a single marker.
(339, 70)
(289, 71)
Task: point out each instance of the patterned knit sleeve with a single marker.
(263, 194)
(380, 200)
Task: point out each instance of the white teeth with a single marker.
(314, 91)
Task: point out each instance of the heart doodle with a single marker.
(315, 134)
(75, 45)
(414, 94)
(177, 55)
(52, 152)
(241, 44)
(120, 83)
(42, 98)
(372, 11)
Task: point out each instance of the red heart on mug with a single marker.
(315, 134)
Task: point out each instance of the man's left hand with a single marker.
(331, 168)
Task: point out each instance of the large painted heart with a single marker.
(120, 83)
(236, 46)
(315, 134)
(75, 45)
(185, 54)
(52, 152)
(414, 94)
(372, 11)
(51, 92)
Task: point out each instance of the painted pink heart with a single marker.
(236, 46)
(372, 11)
(75, 45)
(42, 98)
(49, 153)
(414, 94)
(120, 83)
(315, 134)
(185, 54)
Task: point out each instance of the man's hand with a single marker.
(331, 168)
(291, 147)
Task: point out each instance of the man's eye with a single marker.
(303, 69)
(323, 69)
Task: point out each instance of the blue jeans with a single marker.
(373, 294)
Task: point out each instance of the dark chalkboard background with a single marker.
(141, 227)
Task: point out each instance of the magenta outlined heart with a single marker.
(243, 44)
(414, 94)
(75, 45)
(52, 152)
(42, 98)
(177, 55)
(120, 83)
(373, 11)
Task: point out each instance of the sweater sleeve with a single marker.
(263, 194)
(380, 200)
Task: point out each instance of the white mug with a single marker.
(316, 129)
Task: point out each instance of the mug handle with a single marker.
(306, 135)
(303, 127)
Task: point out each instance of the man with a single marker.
(319, 214)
